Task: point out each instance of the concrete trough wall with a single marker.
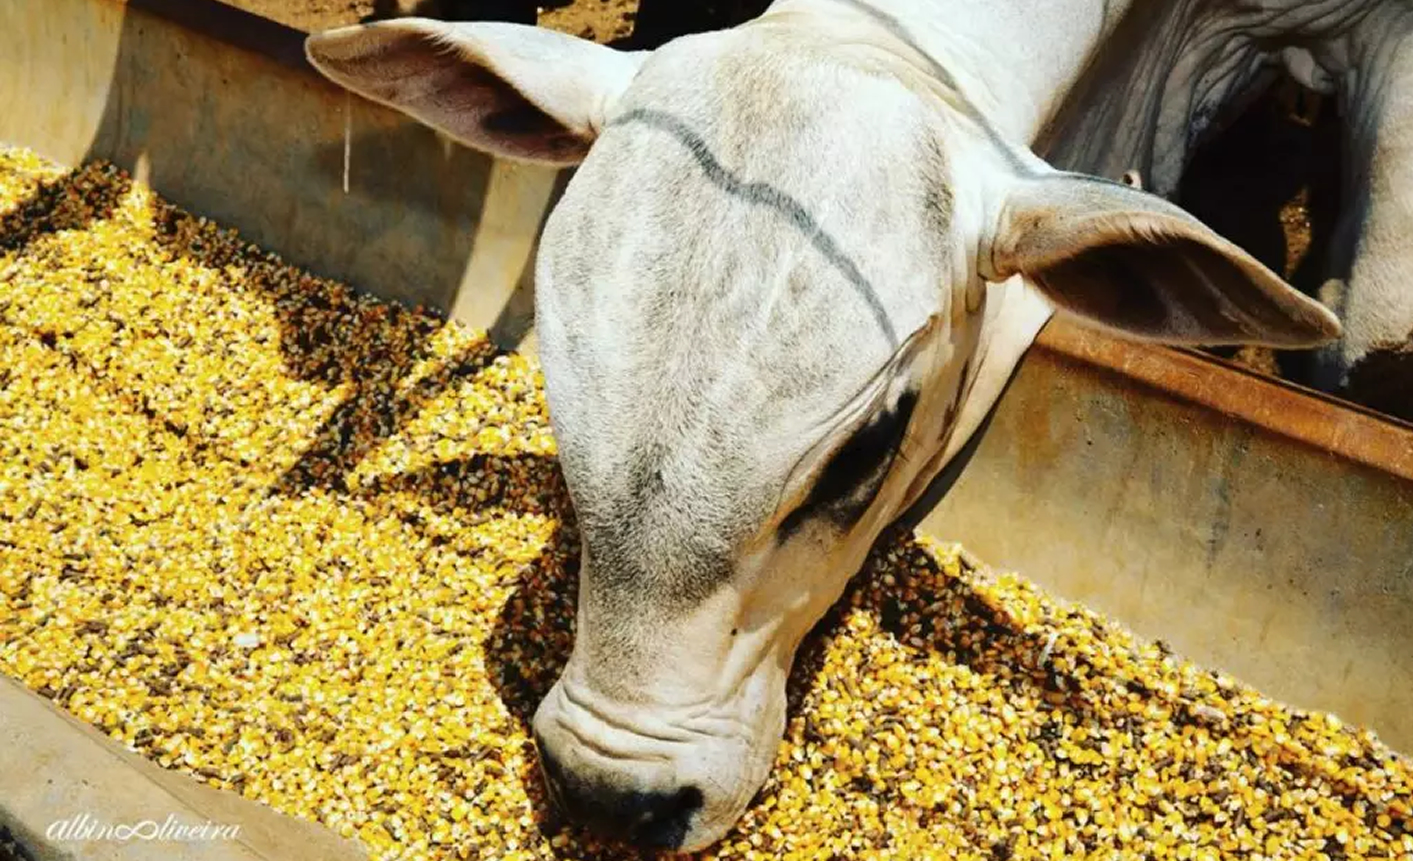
(1255, 527)
(218, 110)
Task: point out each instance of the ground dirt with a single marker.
(609, 21)
(309, 14)
(1269, 182)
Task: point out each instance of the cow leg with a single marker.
(1371, 256)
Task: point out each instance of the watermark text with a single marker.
(84, 827)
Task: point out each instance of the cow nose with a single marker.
(650, 819)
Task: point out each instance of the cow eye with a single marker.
(852, 478)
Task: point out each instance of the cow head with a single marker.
(760, 305)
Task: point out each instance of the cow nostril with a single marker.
(665, 818)
(651, 819)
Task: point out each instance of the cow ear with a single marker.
(1133, 263)
(514, 91)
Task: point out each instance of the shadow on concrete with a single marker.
(455, 174)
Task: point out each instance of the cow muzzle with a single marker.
(652, 776)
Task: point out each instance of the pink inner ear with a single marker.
(436, 83)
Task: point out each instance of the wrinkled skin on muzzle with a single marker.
(672, 758)
(790, 277)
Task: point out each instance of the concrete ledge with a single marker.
(218, 111)
(58, 768)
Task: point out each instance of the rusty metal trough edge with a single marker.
(1303, 415)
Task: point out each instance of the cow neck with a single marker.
(1003, 65)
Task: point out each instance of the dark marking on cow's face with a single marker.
(767, 195)
(943, 481)
(645, 475)
(852, 478)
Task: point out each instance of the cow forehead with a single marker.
(748, 237)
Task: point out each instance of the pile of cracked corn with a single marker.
(313, 548)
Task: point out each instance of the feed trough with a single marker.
(293, 556)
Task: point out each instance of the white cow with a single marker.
(782, 289)
(1158, 86)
